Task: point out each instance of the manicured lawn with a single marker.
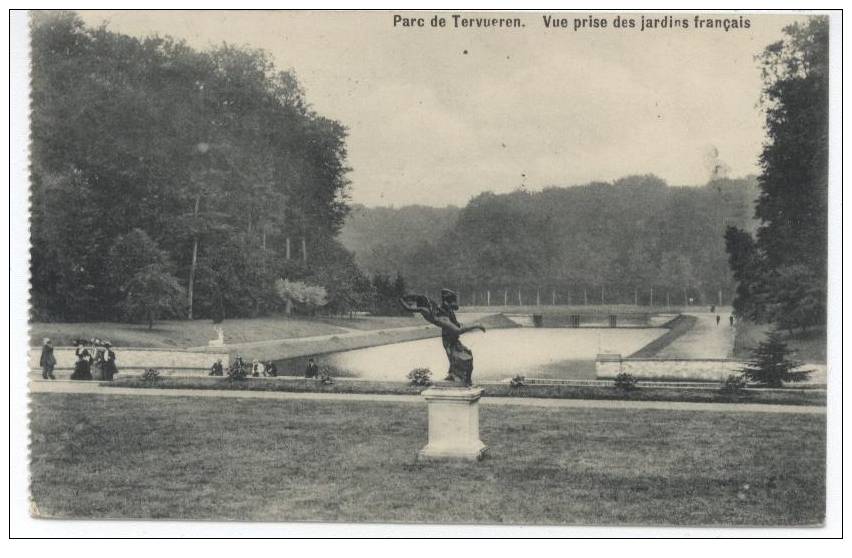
(194, 333)
(106, 456)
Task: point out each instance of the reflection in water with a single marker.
(498, 354)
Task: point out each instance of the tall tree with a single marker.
(792, 207)
(210, 153)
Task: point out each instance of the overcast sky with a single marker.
(431, 124)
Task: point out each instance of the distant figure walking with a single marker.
(731, 320)
(713, 309)
(47, 360)
(718, 319)
(312, 370)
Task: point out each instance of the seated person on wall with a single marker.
(238, 365)
(312, 370)
(257, 368)
(217, 369)
(270, 369)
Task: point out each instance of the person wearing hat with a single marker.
(98, 364)
(110, 370)
(444, 316)
(311, 370)
(47, 360)
(83, 366)
(271, 369)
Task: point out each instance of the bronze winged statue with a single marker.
(444, 316)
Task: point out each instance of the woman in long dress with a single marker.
(110, 370)
(83, 366)
(444, 316)
(98, 366)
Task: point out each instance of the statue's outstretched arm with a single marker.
(416, 303)
(446, 325)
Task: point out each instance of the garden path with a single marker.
(67, 386)
(706, 339)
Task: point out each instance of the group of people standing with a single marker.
(95, 360)
(95, 364)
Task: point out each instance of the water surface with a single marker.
(498, 354)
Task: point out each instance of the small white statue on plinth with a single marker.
(220, 340)
(453, 424)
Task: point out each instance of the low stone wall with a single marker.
(135, 358)
(667, 369)
(707, 369)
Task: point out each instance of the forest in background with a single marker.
(627, 237)
(172, 182)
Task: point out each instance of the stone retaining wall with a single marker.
(298, 347)
(609, 366)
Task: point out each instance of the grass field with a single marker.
(194, 333)
(97, 456)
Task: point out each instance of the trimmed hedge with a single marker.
(692, 395)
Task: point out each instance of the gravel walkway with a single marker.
(67, 386)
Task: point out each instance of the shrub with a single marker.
(325, 378)
(420, 377)
(734, 383)
(151, 375)
(518, 381)
(625, 381)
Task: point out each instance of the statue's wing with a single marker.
(417, 303)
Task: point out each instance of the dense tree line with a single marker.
(208, 170)
(612, 241)
(781, 271)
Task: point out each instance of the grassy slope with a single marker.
(196, 333)
(677, 327)
(193, 333)
(810, 346)
(124, 457)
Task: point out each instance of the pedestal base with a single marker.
(453, 424)
(437, 454)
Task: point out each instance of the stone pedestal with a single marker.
(453, 424)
